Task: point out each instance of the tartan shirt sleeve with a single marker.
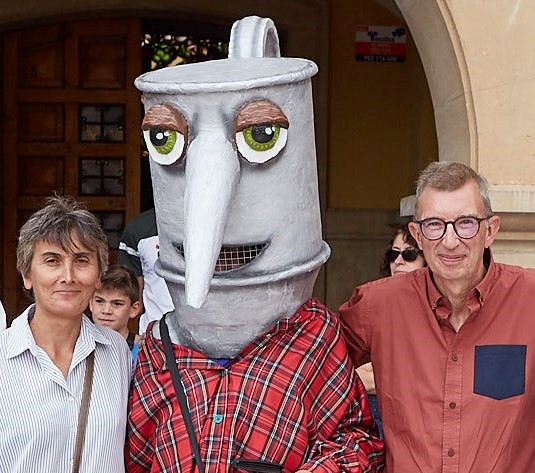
(347, 438)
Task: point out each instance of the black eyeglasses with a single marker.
(465, 227)
(408, 254)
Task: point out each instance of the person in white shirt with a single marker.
(44, 355)
(138, 250)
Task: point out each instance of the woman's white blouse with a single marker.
(39, 408)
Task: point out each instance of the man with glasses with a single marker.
(449, 343)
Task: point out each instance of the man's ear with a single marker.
(414, 229)
(493, 226)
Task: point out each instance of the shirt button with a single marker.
(451, 452)
(453, 405)
(218, 418)
(454, 358)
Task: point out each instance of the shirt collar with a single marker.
(20, 337)
(478, 295)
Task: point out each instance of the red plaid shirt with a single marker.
(290, 397)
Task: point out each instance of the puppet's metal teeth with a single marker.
(233, 257)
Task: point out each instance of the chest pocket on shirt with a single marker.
(500, 370)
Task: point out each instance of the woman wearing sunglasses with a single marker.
(401, 256)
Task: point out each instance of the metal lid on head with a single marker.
(251, 38)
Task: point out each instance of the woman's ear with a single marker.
(27, 280)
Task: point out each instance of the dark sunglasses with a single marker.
(408, 254)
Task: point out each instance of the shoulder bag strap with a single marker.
(84, 411)
(180, 394)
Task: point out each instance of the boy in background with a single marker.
(116, 302)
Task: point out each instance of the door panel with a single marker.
(41, 122)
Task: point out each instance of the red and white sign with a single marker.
(380, 43)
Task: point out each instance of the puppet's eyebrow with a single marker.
(260, 112)
(164, 115)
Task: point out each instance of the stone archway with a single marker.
(438, 43)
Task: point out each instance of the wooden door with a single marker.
(71, 125)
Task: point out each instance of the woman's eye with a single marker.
(165, 146)
(260, 143)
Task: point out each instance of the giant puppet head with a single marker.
(233, 166)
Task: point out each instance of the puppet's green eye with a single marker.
(260, 143)
(165, 146)
(163, 140)
(261, 137)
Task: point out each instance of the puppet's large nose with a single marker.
(212, 172)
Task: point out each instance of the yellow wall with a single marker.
(381, 124)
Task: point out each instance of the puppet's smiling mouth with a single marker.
(233, 257)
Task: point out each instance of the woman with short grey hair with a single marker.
(63, 381)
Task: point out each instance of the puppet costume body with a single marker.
(266, 374)
(290, 397)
